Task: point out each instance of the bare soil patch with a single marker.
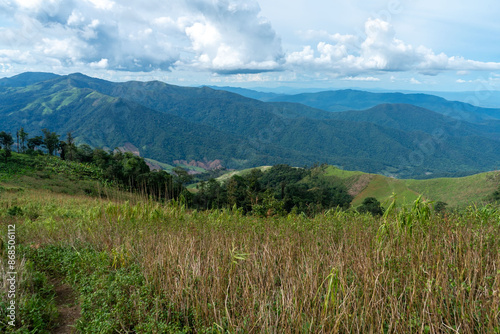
(68, 307)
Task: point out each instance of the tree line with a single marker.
(50, 141)
(123, 169)
(280, 190)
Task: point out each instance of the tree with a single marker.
(183, 176)
(70, 147)
(22, 136)
(17, 139)
(50, 141)
(63, 149)
(440, 207)
(84, 153)
(6, 142)
(371, 205)
(35, 142)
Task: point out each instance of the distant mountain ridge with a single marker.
(350, 99)
(171, 123)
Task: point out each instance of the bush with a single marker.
(371, 205)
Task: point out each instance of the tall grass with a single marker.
(410, 271)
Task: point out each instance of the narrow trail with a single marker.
(67, 306)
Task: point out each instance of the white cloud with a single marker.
(215, 35)
(379, 51)
(361, 79)
(232, 37)
(461, 81)
(415, 81)
(29, 4)
(101, 64)
(102, 4)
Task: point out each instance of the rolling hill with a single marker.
(456, 192)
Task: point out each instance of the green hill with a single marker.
(456, 192)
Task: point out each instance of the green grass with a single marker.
(230, 174)
(25, 172)
(382, 188)
(458, 191)
(169, 168)
(343, 174)
(142, 266)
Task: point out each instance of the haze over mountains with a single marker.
(402, 135)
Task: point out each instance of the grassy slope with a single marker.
(145, 267)
(227, 176)
(458, 191)
(454, 191)
(364, 185)
(219, 271)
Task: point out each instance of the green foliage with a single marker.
(371, 205)
(35, 142)
(115, 298)
(276, 191)
(495, 197)
(36, 311)
(50, 141)
(6, 140)
(440, 207)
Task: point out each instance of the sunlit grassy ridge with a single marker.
(456, 192)
(146, 267)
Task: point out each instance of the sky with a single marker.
(424, 45)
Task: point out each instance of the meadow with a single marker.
(140, 266)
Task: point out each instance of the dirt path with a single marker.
(67, 306)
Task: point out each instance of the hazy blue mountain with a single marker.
(481, 98)
(26, 79)
(343, 100)
(407, 117)
(253, 94)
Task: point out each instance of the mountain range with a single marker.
(401, 135)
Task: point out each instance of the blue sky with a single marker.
(427, 45)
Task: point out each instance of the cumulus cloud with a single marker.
(219, 36)
(361, 79)
(377, 50)
(232, 37)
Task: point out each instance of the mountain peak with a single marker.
(27, 78)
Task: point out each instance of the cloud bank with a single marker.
(377, 50)
(220, 36)
(217, 36)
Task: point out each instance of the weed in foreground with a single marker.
(141, 265)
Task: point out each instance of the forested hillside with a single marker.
(171, 123)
